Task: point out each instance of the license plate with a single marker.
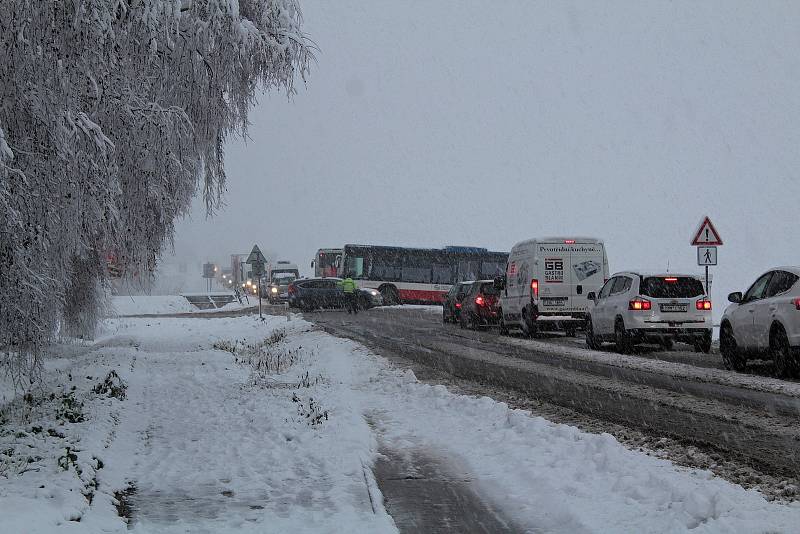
(674, 307)
(554, 301)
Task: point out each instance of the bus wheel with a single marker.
(389, 294)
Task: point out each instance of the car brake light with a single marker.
(569, 241)
(291, 289)
(797, 303)
(535, 288)
(703, 304)
(671, 280)
(479, 300)
(639, 304)
(458, 304)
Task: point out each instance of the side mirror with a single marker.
(500, 283)
(736, 297)
(592, 296)
(313, 262)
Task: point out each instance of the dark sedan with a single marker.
(451, 305)
(481, 305)
(311, 293)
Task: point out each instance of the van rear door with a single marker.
(555, 277)
(587, 273)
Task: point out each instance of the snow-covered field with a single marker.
(164, 305)
(208, 437)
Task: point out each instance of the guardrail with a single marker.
(210, 301)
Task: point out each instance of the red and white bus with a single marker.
(326, 262)
(418, 275)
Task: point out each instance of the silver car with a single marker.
(635, 307)
(764, 321)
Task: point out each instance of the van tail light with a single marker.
(535, 288)
(797, 303)
(479, 300)
(703, 304)
(639, 304)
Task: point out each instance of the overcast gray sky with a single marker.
(482, 123)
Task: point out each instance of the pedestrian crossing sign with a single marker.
(706, 256)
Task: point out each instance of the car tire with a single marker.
(782, 356)
(668, 343)
(731, 357)
(526, 326)
(474, 322)
(462, 322)
(622, 339)
(503, 327)
(445, 319)
(591, 341)
(703, 344)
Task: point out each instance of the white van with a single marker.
(547, 281)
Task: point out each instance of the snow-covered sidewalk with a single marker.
(208, 436)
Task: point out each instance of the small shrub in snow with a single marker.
(69, 458)
(311, 412)
(113, 386)
(70, 409)
(226, 346)
(306, 381)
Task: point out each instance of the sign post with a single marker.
(256, 260)
(209, 271)
(706, 239)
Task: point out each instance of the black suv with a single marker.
(451, 305)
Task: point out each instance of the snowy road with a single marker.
(335, 438)
(683, 395)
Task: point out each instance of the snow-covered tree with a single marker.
(113, 115)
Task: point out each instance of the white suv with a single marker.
(765, 320)
(634, 307)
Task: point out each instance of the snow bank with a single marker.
(147, 304)
(413, 307)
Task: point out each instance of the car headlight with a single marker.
(374, 293)
(274, 289)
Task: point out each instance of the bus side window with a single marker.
(442, 273)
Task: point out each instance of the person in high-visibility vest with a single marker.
(350, 294)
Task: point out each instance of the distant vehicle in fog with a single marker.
(546, 282)
(326, 262)
(451, 305)
(278, 289)
(418, 275)
(282, 267)
(635, 307)
(764, 321)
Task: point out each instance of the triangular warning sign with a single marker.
(706, 235)
(256, 256)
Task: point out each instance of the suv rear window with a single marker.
(682, 287)
(488, 289)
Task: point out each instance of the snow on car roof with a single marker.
(659, 274)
